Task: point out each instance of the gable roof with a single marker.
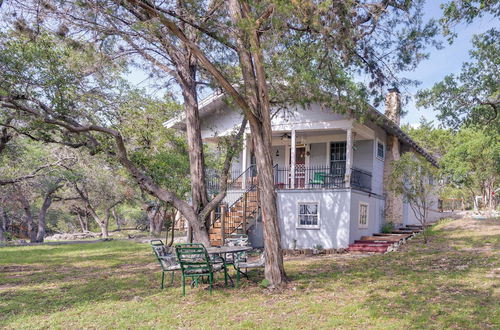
(209, 105)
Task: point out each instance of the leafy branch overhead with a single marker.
(471, 97)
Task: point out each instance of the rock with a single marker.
(73, 236)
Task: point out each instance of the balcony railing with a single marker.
(237, 180)
(312, 177)
(315, 177)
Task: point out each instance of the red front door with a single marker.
(300, 167)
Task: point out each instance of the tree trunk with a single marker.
(187, 74)
(103, 224)
(42, 217)
(104, 230)
(172, 222)
(153, 211)
(3, 224)
(29, 218)
(80, 220)
(116, 219)
(252, 66)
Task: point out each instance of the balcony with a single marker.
(313, 177)
(320, 177)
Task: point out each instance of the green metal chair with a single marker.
(196, 264)
(166, 258)
(318, 178)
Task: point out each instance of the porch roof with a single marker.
(211, 103)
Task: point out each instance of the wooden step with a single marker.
(381, 238)
(403, 231)
(373, 242)
(368, 249)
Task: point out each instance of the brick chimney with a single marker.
(393, 105)
(393, 201)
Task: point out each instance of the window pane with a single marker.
(338, 158)
(380, 150)
(312, 209)
(308, 214)
(363, 214)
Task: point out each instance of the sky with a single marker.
(443, 62)
(440, 63)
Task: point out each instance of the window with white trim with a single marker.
(363, 215)
(380, 150)
(308, 215)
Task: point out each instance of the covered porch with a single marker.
(330, 155)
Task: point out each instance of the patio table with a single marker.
(223, 251)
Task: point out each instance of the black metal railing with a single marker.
(235, 179)
(361, 179)
(314, 177)
(311, 177)
(238, 206)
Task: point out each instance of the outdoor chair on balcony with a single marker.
(166, 258)
(196, 264)
(318, 179)
(240, 265)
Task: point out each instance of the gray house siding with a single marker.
(363, 155)
(378, 164)
(375, 215)
(318, 154)
(334, 217)
(280, 158)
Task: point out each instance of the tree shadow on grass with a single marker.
(33, 285)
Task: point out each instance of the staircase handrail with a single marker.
(247, 190)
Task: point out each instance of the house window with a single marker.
(308, 215)
(338, 158)
(363, 215)
(380, 150)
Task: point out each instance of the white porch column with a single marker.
(292, 161)
(244, 161)
(348, 155)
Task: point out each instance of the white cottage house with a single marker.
(330, 174)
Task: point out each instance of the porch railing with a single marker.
(312, 177)
(236, 179)
(320, 177)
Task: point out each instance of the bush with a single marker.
(264, 283)
(387, 227)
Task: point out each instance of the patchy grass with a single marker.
(450, 283)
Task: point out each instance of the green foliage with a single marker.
(434, 140)
(315, 50)
(387, 227)
(458, 11)
(264, 284)
(473, 160)
(473, 96)
(115, 284)
(318, 247)
(416, 179)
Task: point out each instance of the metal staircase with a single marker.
(238, 216)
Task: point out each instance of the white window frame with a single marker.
(317, 203)
(360, 225)
(376, 149)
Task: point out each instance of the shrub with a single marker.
(387, 227)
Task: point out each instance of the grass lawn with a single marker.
(453, 282)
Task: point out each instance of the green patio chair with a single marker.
(196, 264)
(166, 258)
(318, 178)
